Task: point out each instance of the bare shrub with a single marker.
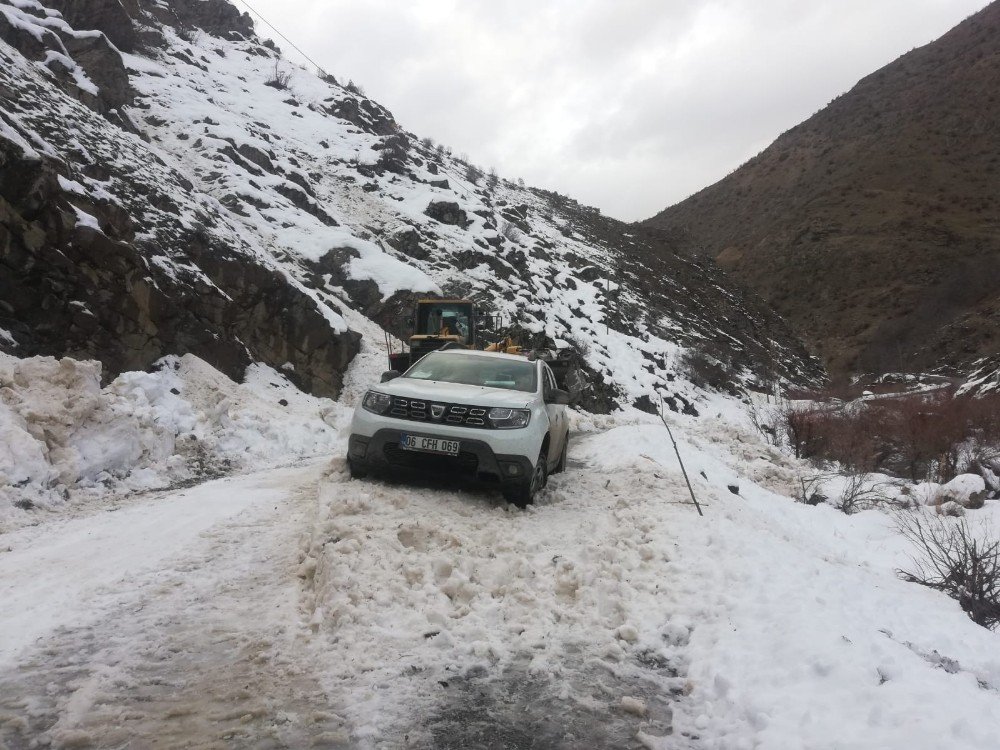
(919, 436)
(707, 371)
(279, 78)
(473, 174)
(953, 558)
(812, 488)
(862, 493)
(766, 420)
(580, 344)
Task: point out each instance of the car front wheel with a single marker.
(523, 494)
(356, 469)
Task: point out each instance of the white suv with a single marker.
(491, 417)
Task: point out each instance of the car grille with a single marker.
(462, 464)
(460, 415)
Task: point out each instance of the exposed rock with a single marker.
(256, 156)
(645, 403)
(467, 259)
(70, 289)
(365, 114)
(518, 216)
(447, 212)
(393, 157)
(94, 54)
(217, 17)
(107, 16)
(407, 241)
(300, 200)
(103, 64)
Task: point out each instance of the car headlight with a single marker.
(376, 402)
(508, 419)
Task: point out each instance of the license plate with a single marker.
(429, 444)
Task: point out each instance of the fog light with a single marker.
(513, 470)
(359, 448)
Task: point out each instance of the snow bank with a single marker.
(63, 437)
(766, 623)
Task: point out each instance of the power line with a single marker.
(276, 31)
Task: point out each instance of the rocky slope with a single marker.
(170, 184)
(872, 226)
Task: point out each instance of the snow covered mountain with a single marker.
(175, 200)
(169, 184)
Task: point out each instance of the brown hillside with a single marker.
(874, 226)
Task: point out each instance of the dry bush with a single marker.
(767, 420)
(579, 343)
(953, 558)
(279, 78)
(862, 493)
(473, 173)
(918, 436)
(812, 488)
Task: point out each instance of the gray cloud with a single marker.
(629, 105)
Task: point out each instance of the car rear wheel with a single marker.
(523, 494)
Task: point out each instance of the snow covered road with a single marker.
(298, 608)
(173, 622)
(62, 572)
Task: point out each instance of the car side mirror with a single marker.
(390, 375)
(557, 396)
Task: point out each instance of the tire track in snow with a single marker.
(453, 621)
(210, 650)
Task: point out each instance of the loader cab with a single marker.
(450, 320)
(438, 323)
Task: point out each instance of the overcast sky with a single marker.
(628, 105)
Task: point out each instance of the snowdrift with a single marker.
(63, 436)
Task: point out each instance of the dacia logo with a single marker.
(437, 411)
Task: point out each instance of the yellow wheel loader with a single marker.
(456, 323)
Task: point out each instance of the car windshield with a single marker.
(491, 372)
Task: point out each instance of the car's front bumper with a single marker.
(476, 460)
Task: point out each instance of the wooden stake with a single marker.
(663, 418)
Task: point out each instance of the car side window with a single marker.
(550, 382)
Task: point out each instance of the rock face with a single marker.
(107, 16)
(70, 288)
(871, 227)
(75, 279)
(202, 195)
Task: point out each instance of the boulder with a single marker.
(967, 490)
(447, 212)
